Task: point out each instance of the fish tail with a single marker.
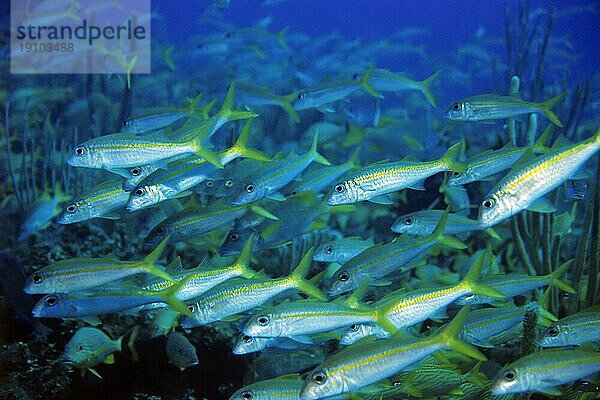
(352, 162)
(281, 38)
(60, 195)
(263, 212)
(540, 144)
(546, 108)
(133, 335)
(286, 103)
(128, 69)
(364, 83)
(450, 159)
(150, 260)
(470, 279)
(555, 280)
(440, 228)
(242, 264)
(355, 135)
(168, 296)
(438, 233)
(425, 87)
(450, 336)
(315, 154)
(305, 286)
(383, 321)
(167, 56)
(192, 104)
(241, 145)
(227, 110)
(206, 109)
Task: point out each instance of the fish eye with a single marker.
(339, 188)
(80, 347)
(553, 331)
(79, 151)
(160, 230)
(209, 183)
(250, 188)
(319, 377)
(294, 192)
(455, 174)
(51, 301)
(247, 395)
(191, 308)
(140, 192)
(456, 106)
(426, 326)
(328, 249)
(234, 236)
(509, 376)
(263, 321)
(246, 339)
(354, 327)
(343, 276)
(300, 96)
(355, 76)
(488, 203)
(37, 278)
(71, 208)
(135, 171)
(228, 183)
(408, 221)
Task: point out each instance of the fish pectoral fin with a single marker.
(93, 371)
(551, 391)
(277, 196)
(383, 199)
(542, 205)
(326, 108)
(420, 185)
(381, 282)
(232, 318)
(93, 320)
(112, 216)
(305, 339)
(183, 194)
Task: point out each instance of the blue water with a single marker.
(464, 39)
(451, 22)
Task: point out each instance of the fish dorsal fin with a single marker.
(175, 266)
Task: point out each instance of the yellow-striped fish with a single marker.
(525, 185)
